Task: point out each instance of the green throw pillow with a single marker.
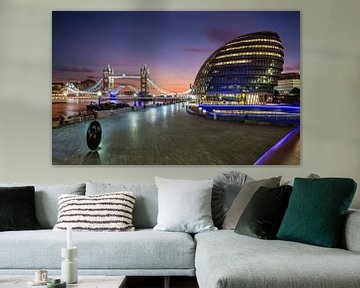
(316, 211)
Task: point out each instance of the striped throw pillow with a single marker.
(105, 212)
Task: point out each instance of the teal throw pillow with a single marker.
(316, 211)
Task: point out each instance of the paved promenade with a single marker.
(165, 135)
(286, 151)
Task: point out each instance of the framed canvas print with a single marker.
(176, 88)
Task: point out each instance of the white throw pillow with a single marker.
(105, 212)
(184, 205)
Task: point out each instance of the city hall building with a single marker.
(244, 70)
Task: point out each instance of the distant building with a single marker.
(57, 87)
(287, 82)
(244, 70)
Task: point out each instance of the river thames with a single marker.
(165, 135)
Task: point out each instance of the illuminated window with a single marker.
(253, 47)
(249, 54)
(254, 40)
(232, 62)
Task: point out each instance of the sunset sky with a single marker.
(174, 45)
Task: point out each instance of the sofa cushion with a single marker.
(263, 215)
(225, 259)
(146, 205)
(225, 189)
(105, 212)
(17, 208)
(317, 209)
(142, 249)
(46, 200)
(350, 239)
(243, 198)
(184, 205)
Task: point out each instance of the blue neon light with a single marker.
(263, 159)
(283, 108)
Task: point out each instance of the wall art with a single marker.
(176, 88)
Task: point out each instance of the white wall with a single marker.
(330, 88)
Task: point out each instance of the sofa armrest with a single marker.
(351, 234)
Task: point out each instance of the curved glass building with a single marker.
(244, 70)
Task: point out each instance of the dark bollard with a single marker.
(93, 135)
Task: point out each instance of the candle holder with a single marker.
(69, 271)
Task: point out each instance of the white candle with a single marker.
(69, 239)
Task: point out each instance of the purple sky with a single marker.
(173, 44)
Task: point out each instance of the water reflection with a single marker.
(92, 158)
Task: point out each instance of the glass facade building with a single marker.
(287, 82)
(244, 70)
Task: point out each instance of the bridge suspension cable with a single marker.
(70, 88)
(158, 87)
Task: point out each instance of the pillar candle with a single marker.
(69, 237)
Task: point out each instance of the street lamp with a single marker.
(99, 96)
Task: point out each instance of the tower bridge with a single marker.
(146, 83)
(112, 84)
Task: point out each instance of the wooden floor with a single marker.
(158, 282)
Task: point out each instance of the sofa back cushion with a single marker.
(46, 200)
(146, 204)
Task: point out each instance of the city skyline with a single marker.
(174, 45)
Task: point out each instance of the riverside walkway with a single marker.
(286, 151)
(166, 135)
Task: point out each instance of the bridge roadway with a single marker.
(166, 135)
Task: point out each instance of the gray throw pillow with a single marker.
(242, 199)
(184, 205)
(310, 176)
(226, 187)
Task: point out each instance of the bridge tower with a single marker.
(144, 84)
(108, 80)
